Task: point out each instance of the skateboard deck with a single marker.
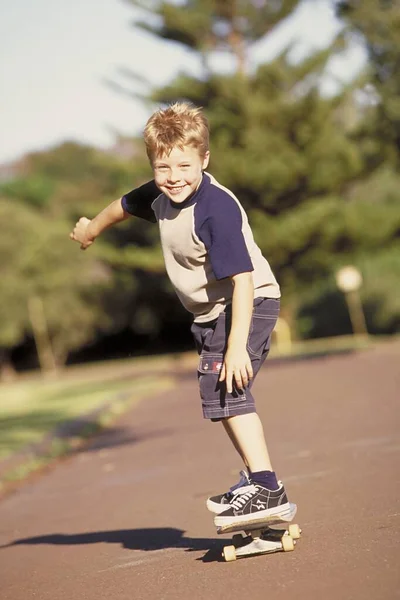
(262, 536)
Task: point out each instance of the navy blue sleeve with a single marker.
(221, 233)
(138, 201)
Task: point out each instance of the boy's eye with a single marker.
(185, 166)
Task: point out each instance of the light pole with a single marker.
(349, 281)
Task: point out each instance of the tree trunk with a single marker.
(7, 370)
(237, 44)
(40, 331)
(236, 40)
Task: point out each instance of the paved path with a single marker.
(125, 519)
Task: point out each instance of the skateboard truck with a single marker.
(274, 534)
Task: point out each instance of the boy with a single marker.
(220, 276)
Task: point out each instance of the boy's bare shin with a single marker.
(231, 436)
(247, 435)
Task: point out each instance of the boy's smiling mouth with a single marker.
(176, 189)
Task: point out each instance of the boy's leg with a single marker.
(263, 496)
(247, 435)
(236, 443)
(246, 430)
(237, 412)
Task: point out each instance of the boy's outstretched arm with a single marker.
(137, 203)
(86, 230)
(237, 364)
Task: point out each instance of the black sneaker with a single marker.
(254, 503)
(218, 504)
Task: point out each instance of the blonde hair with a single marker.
(180, 124)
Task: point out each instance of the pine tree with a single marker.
(275, 141)
(207, 26)
(293, 157)
(376, 23)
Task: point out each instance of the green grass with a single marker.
(31, 409)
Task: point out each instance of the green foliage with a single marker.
(98, 175)
(37, 262)
(35, 190)
(377, 24)
(324, 311)
(85, 295)
(368, 227)
(302, 164)
(210, 25)
(12, 290)
(274, 140)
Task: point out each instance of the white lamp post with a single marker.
(349, 281)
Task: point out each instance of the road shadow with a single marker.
(146, 540)
(112, 437)
(91, 438)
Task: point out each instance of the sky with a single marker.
(56, 58)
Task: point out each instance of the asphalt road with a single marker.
(126, 519)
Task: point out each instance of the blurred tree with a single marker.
(83, 180)
(207, 26)
(37, 267)
(78, 297)
(293, 157)
(377, 24)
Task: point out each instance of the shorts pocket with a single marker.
(209, 369)
(210, 363)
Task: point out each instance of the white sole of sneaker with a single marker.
(278, 514)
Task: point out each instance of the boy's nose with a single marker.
(174, 176)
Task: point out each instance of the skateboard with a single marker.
(262, 536)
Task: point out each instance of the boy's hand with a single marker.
(236, 368)
(80, 233)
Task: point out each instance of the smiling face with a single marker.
(179, 173)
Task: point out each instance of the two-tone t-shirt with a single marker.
(205, 240)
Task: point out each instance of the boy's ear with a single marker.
(206, 160)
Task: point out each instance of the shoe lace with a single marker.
(242, 495)
(244, 481)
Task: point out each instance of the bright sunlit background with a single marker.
(57, 57)
(304, 129)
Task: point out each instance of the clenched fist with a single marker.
(81, 233)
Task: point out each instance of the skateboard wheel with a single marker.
(287, 543)
(229, 553)
(237, 538)
(294, 531)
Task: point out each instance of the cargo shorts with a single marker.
(211, 341)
